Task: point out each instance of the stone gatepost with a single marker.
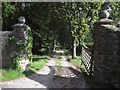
(20, 34)
(106, 53)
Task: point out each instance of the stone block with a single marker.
(106, 54)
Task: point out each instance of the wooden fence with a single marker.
(87, 59)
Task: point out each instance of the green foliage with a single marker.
(30, 44)
(9, 9)
(16, 63)
(8, 15)
(67, 52)
(112, 27)
(63, 22)
(59, 66)
(37, 65)
(12, 39)
(10, 74)
(37, 57)
(42, 50)
(77, 62)
(26, 47)
(21, 46)
(115, 15)
(87, 38)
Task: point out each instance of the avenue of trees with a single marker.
(64, 23)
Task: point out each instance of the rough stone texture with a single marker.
(10, 45)
(6, 50)
(21, 35)
(106, 54)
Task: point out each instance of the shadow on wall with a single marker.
(91, 81)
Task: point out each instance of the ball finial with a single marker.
(104, 11)
(21, 19)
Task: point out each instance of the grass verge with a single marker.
(10, 74)
(39, 62)
(90, 80)
(78, 63)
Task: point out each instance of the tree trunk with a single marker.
(74, 49)
(54, 45)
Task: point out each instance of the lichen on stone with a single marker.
(113, 27)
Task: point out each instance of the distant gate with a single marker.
(87, 59)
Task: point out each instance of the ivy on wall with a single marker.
(30, 45)
(21, 47)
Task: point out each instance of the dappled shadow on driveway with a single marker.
(54, 76)
(72, 79)
(52, 80)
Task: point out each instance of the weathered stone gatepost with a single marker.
(17, 46)
(20, 34)
(106, 54)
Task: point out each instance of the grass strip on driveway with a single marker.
(58, 66)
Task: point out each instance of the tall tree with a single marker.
(65, 23)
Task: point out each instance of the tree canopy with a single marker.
(64, 23)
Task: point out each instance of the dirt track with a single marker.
(52, 75)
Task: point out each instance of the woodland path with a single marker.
(58, 73)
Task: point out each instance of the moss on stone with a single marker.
(111, 27)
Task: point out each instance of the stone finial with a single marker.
(104, 11)
(21, 19)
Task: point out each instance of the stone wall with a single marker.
(6, 49)
(11, 41)
(106, 54)
(16, 46)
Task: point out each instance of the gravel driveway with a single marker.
(64, 75)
